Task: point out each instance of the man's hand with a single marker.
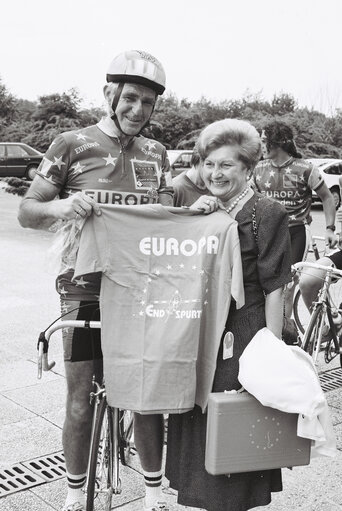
(330, 238)
(77, 205)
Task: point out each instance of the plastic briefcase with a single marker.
(243, 436)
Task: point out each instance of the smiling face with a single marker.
(223, 173)
(135, 107)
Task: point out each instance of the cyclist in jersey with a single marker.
(109, 162)
(287, 178)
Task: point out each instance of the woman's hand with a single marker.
(205, 203)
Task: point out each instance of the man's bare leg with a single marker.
(77, 425)
(149, 441)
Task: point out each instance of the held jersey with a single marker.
(168, 278)
(291, 184)
(92, 161)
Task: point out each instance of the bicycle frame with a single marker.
(323, 302)
(96, 396)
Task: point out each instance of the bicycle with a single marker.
(300, 312)
(323, 311)
(111, 440)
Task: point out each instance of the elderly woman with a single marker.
(229, 150)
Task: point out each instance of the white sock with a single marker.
(153, 487)
(75, 491)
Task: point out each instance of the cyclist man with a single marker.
(285, 177)
(106, 162)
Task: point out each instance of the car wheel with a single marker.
(31, 172)
(336, 196)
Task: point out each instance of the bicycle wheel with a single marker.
(100, 472)
(300, 312)
(311, 341)
(126, 442)
(335, 302)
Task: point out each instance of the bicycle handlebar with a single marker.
(44, 337)
(327, 269)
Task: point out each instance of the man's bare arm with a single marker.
(39, 209)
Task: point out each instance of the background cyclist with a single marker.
(287, 178)
(106, 162)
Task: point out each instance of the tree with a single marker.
(7, 106)
(283, 104)
(56, 106)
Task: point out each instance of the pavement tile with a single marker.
(21, 374)
(12, 412)
(336, 415)
(43, 397)
(132, 489)
(52, 493)
(313, 487)
(56, 417)
(338, 432)
(28, 439)
(334, 398)
(324, 506)
(137, 505)
(24, 501)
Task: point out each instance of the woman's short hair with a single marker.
(195, 158)
(280, 134)
(233, 132)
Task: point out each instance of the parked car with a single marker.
(19, 160)
(331, 170)
(179, 160)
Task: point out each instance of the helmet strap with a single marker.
(115, 103)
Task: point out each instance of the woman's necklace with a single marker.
(237, 200)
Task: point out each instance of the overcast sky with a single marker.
(216, 48)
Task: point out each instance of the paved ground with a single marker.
(33, 410)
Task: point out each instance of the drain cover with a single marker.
(331, 380)
(17, 478)
(32, 473)
(50, 467)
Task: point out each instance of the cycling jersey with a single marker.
(291, 184)
(94, 161)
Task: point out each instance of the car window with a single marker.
(184, 159)
(2, 151)
(16, 151)
(334, 170)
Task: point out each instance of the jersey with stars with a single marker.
(89, 160)
(290, 184)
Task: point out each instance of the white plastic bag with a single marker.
(61, 255)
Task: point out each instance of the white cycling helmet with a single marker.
(135, 66)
